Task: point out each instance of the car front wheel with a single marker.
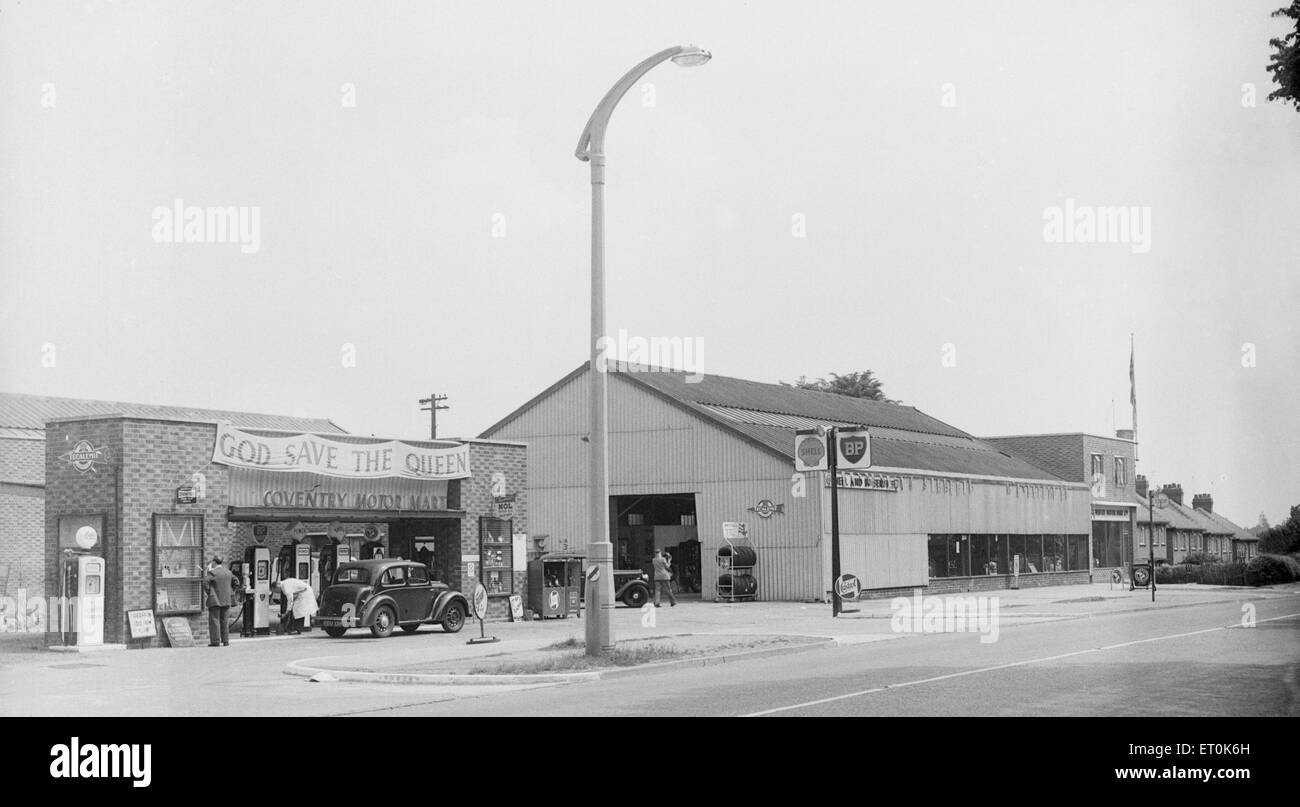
(454, 619)
(385, 621)
(636, 597)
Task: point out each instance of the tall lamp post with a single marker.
(600, 552)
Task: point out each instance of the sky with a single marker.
(845, 186)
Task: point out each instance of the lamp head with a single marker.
(692, 56)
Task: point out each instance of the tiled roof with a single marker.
(1177, 516)
(1144, 512)
(1227, 526)
(27, 414)
(1208, 522)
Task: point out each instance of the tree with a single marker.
(860, 384)
(1284, 64)
(1284, 538)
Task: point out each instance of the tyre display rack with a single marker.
(736, 581)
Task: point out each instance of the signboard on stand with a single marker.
(142, 624)
(480, 601)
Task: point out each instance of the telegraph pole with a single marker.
(431, 405)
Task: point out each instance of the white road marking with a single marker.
(886, 687)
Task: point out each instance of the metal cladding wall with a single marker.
(884, 535)
(656, 447)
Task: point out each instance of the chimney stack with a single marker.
(1140, 485)
(1203, 501)
(1174, 492)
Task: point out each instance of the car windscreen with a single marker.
(354, 574)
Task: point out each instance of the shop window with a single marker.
(496, 555)
(1032, 563)
(1018, 548)
(999, 554)
(938, 551)
(1053, 553)
(178, 564)
(979, 556)
(1077, 552)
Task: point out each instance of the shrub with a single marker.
(1178, 573)
(1197, 558)
(1267, 570)
(1209, 574)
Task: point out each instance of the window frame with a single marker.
(197, 579)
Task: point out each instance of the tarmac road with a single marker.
(1172, 658)
(1183, 662)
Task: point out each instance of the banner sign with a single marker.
(323, 454)
(860, 480)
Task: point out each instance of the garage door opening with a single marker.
(658, 521)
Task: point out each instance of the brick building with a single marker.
(22, 470)
(166, 493)
(1105, 464)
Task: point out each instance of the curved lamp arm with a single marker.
(592, 140)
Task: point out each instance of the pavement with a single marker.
(865, 621)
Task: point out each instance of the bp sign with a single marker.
(854, 446)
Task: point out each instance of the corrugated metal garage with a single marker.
(729, 442)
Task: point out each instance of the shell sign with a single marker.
(809, 451)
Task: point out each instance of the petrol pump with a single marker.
(302, 561)
(82, 617)
(257, 591)
(331, 556)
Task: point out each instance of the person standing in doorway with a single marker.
(663, 577)
(218, 581)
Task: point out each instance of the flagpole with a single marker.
(1133, 401)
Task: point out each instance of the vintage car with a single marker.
(631, 586)
(388, 593)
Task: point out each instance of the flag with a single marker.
(1132, 386)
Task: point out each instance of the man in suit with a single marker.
(218, 582)
(663, 576)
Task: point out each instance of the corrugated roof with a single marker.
(767, 415)
(722, 391)
(29, 413)
(901, 436)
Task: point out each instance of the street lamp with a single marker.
(600, 552)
